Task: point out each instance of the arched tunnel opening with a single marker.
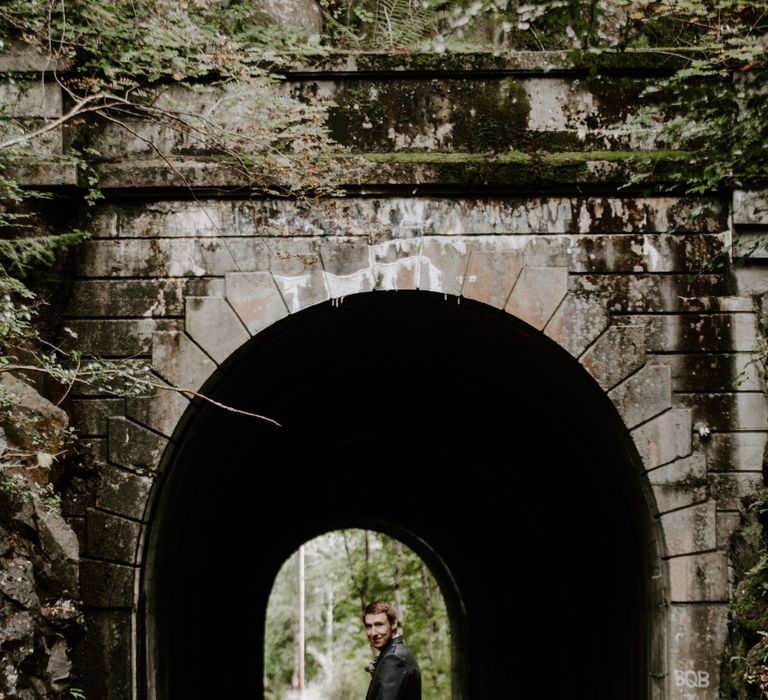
(454, 426)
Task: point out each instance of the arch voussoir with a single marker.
(255, 298)
(537, 293)
(214, 326)
(615, 355)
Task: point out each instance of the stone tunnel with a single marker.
(534, 356)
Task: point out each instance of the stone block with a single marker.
(664, 438)
(297, 270)
(289, 219)
(199, 218)
(712, 372)
(491, 273)
(60, 545)
(731, 411)
(347, 266)
(106, 668)
(593, 254)
(19, 56)
(697, 640)
(547, 251)
(95, 451)
(178, 360)
(171, 257)
(443, 264)
(732, 488)
(680, 483)
(615, 355)
(256, 299)
(728, 524)
(79, 494)
(23, 99)
(123, 493)
(214, 326)
(134, 447)
(396, 264)
(117, 337)
(161, 411)
(106, 585)
(578, 321)
(697, 578)
(736, 451)
(111, 537)
(690, 530)
(636, 253)
(139, 297)
(560, 104)
(750, 207)
(293, 257)
(537, 294)
(644, 395)
(750, 244)
(91, 415)
(715, 333)
(44, 147)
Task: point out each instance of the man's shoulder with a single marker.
(402, 652)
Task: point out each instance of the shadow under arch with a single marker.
(506, 460)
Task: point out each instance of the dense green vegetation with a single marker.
(343, 572)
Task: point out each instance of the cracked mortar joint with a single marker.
(703, 430)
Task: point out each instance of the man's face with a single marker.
(379, 629)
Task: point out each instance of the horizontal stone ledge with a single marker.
(412, 168)
(44, 174)
(606, 60)
(23, 58)
(408, 215)
(206, 257)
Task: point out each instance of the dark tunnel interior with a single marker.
(511, 474)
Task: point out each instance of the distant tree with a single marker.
(341, 567)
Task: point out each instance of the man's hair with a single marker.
(381, 606)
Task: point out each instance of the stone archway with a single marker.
(506, 454)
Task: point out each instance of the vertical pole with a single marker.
(301, 620)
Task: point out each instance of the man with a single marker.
(396, 674)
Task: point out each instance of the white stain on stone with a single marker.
(654, 260)
(292, 287)
(559, 105)
(585, 219)
(185, 267)
(432, 137)
(352, 283)
(159, 307)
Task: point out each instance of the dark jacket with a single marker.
(397, 675)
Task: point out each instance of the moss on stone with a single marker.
(483, 115)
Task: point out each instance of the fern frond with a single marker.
(406, 23)
(18, 255)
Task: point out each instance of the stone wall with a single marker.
(494, 179)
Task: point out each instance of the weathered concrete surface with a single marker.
(495, 182)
